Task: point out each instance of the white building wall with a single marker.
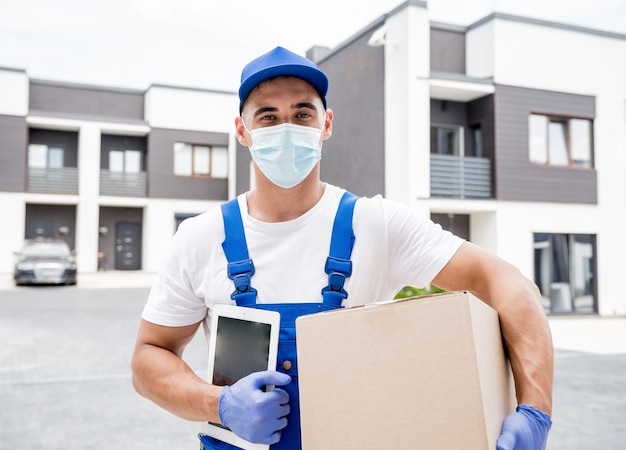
(159, 227)
(11, 231)
(88, 210)
(13, 92)
(611, 167)
(559, 59)
(191, 109)
(479, 51)
(483, 228)
(407, 105)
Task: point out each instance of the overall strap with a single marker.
(338, 265)
(240, 266)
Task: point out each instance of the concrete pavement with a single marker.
(586, 334)
(65, 376)
(589, 334)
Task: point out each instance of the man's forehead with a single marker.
(285, 82)
(276, 91)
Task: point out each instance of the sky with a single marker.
(205, 43)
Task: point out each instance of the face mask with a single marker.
(286, 153)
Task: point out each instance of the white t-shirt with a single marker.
(394, 247)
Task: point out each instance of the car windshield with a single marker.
(39, 249)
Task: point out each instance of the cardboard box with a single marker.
(421, 373)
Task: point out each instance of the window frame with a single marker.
(211, 159)
(126, 155)
(50, 151)
(548, 153)
(566, 264)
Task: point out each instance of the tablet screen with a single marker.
(241, 348)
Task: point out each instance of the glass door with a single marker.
(565, 272)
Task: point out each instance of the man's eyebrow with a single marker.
(305, 105)
(264, 109)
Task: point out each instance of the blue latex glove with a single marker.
(253, 414)
(526, 429)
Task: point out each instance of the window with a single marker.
(565, 268)
(560, 141)
(125, 161)
(446, 140)
(200, 160)
(44, 157)
(581, 145)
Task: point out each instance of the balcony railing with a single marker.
(126, 184)
(53, 181)
(460, 176)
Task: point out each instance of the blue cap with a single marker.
(281, 62)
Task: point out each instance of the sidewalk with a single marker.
(587, 334)
(98, 280)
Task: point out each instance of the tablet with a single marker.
(242, 341)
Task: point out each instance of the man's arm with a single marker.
(524, 324)
(161, 375)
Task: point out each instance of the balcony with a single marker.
(460, 177)
(125, 184)
(53, 180)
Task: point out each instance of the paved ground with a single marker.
(97, 280)
(65, 377)
(65, 373)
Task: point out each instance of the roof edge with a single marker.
(545, 23)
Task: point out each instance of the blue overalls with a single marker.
(240, 270)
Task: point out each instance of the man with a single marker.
(284, 227)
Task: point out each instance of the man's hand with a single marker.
(526, 429)
(253, 414)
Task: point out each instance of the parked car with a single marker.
(45, 261)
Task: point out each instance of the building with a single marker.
(111, 171)
(511, 132)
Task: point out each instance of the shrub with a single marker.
(410, 291)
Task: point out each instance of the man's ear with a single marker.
(328, 125)
(240, 132)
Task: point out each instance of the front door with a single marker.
(127, 246)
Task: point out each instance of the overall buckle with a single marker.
(338, 270)
(241, 272)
